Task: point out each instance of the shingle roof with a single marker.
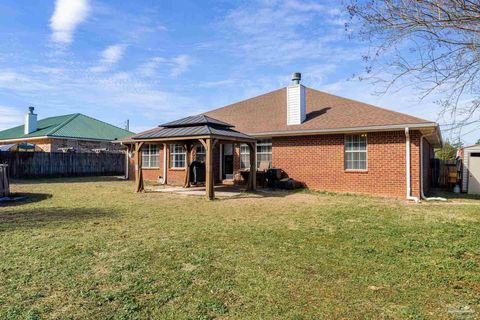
(268, 113)
(195, 121)
(72, 126)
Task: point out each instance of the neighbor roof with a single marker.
(69, 126)
(268, 114)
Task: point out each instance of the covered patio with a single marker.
(211, 133)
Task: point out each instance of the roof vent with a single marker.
(30, 121)
(296, 77)
(296, 106)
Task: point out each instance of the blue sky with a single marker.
(155, 61)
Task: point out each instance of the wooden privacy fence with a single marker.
(4, 184)
(46, 164)
(446, 173)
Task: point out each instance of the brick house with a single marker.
(66, 133)
(321, 140)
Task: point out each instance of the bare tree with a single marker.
(432, 44)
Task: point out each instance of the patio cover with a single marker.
(208, 131)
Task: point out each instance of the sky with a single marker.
(155, 61)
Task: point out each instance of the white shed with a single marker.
(471, 169)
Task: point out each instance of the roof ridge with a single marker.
(109, 124)
(64, 123)
(321, 92)
(368, 104)
(239, 101)
(208, 128)
(23, 125)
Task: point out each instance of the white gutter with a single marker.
(422, 194)
(164, 163)
(345, 130)
(408, 167)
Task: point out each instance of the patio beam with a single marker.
(180, 139)
(209, 181)
(188, 148)
(202, 141)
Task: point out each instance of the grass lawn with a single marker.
(90, 248)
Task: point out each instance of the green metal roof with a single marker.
(74, 125)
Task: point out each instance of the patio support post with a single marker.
(139, 187)
(127, 161)
(252, 177)
(188, 148)
(209, 181)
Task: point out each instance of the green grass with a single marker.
(90, 248)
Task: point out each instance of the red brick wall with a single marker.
(415, 162)
(174, 176)
(131, 166)
(85, 146)
(318, 162)
(152, 174)
(236, 165)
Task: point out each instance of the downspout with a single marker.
(408, 167)
(164, 163)
(422, 194)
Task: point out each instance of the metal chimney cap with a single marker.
(296, 77)
(31, 109)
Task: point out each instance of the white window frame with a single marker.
(174, 152)
(244, 153)
(355, 151)
(150, 157)
(263, 143)
(203, 152)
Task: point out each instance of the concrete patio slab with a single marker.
(220, 191)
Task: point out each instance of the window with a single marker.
(244, 156)
(356, 152)
(264, 151)
(150, 156)
(200, 153)
(177, 156)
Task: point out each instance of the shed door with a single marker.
(474, 174)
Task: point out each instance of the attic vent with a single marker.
(296, 106)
